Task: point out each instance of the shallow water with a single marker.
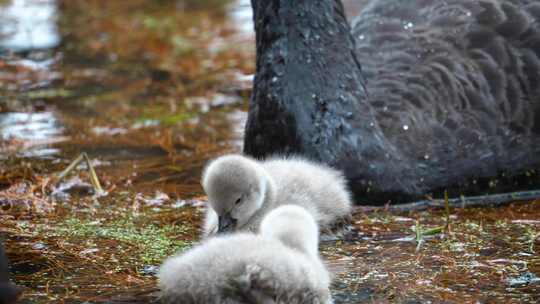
(151, 90)
(28, 24)
(155, 98)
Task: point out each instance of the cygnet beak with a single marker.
(226, 223)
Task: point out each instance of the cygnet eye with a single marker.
(238, 201)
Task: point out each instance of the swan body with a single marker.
(280, 265)
(415, 97)
(9, 292)
(241, 191)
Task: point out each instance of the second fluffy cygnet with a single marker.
(281, 265)
(241, 191)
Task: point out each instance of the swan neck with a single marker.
(309, 96)
(306, 73)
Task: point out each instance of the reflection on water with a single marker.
(29, 126)
(30, 134)
(28, 24)
(238, 120)
(34, 64)
(242, 16)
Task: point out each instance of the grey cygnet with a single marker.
(241, 191)
(279, 265)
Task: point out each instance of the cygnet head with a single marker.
(294, 226)
(236, 188)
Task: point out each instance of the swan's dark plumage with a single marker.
(9, 292)
(453, 92)
(468, 93)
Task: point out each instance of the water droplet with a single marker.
(361, 37)
(408, 25)
(405, 127)
(469, 14)
(371, 124)
(274, 79)
(426, 157)
(39, 246)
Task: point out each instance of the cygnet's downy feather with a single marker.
(241, 191)
(280, 265)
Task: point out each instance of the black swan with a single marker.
(416, 97)
(8, 291)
